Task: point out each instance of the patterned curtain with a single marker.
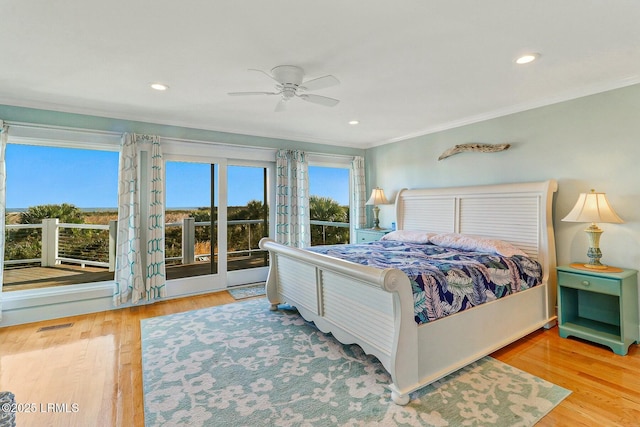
(3, 198)
(359, 192)
(292, 204)
(133, 281)
(156, 275)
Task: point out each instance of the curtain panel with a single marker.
(292, 199)
(140, 265)
(4, 131)
(359, 192)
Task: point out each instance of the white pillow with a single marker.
(478, 244)
(408, 236)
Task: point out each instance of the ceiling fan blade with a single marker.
(320, 83)
(266, 74)
(251, 93)
(281, 106)
(321, 100)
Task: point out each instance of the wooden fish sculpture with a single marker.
(477, 147)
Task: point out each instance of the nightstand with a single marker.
(599, 307)
(369, 235)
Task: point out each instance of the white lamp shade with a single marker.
(377, 197)
(592, 207)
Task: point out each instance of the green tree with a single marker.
(27, 243)
(65, 212)
(201, 215)
(238, 233)
(327, 209)
(203, 233)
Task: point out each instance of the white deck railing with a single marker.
(57, 241)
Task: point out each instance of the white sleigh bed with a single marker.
(374, 308)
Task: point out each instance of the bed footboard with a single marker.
(357, 304)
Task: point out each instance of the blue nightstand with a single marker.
(601, 307)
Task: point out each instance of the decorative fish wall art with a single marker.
(476, 147)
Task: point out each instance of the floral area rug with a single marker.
(243, 365)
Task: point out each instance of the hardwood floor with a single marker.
(95, 363)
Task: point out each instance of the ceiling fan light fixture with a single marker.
(159, 86)
(528, 58)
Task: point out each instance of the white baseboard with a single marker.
(51, 303)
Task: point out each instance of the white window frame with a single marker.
(32, 305)
(342, 162)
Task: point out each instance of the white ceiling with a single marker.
(406, 67)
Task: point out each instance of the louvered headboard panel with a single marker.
(517, 213)
(441, 213)
(513, 219)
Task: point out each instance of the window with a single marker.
(247, 217)
(61, 213)
(329, 205)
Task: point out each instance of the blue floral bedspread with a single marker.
(444, 281)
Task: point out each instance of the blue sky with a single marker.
(89, 179)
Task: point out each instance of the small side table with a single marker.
(369, 235)
(600, 307)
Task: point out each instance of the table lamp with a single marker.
(593, 207)
(377, 198)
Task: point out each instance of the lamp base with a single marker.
(594, 253)
(376, 218)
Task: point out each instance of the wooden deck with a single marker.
(16, 279)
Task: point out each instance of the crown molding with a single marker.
(518, 108)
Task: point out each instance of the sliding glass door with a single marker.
(216, 215)
(191, 227)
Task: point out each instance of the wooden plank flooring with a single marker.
(96, 363)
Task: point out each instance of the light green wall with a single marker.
(55, 118)
(590, 142)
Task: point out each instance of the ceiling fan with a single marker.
(289, 79)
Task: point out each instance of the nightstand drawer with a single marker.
(591, 283)
(369, 235)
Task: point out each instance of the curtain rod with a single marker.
(213, 143)
(55, 127)
(27, 125)
(332, 156)
(253, 147)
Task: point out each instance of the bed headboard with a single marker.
(520, 214)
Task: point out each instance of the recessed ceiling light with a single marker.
(159, 86)
(525, 59)
(353, 122)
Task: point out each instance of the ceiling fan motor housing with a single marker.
(288, 75)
